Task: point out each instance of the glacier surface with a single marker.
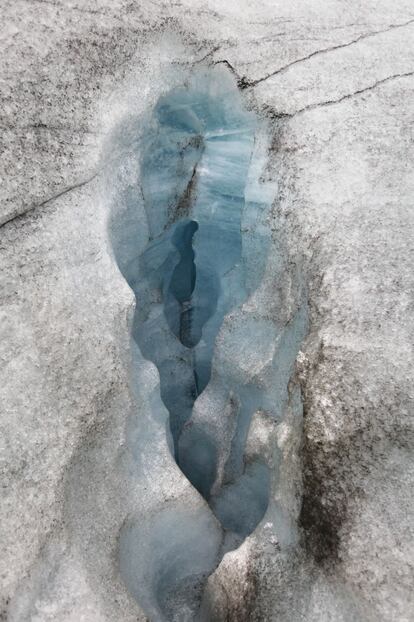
(115, 504)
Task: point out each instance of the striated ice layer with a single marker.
(222, 359)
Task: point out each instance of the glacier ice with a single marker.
(194, 274)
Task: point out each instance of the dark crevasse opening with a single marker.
(208, 241)
(178, 297)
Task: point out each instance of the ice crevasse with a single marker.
(198, 259)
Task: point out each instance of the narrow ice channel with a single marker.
(207, 213)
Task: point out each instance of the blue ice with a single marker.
(208, 239)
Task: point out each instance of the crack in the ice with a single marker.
(224, 61)
(246, 83)
(210, 53)
(53, 198)
(331, 102)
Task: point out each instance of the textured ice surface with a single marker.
(207, 212)
(344, 205)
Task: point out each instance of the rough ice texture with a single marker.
(336, 83)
